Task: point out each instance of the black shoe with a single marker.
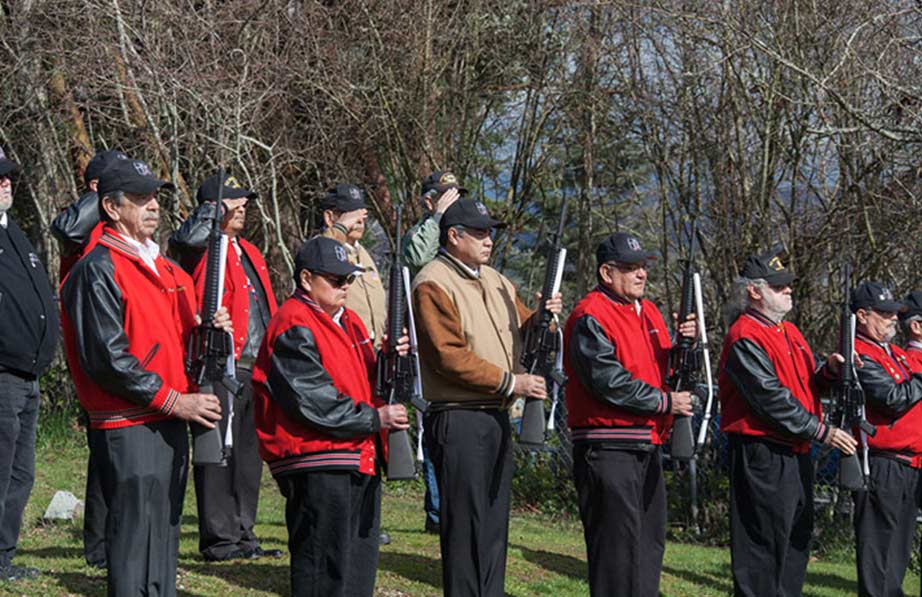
(259, 552)
(99, 564)
(12, 572)
(384, 538)
(234, 554)
(433, 528)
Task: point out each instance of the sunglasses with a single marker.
(336, 281)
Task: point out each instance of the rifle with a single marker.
(705, 350)
(210, 354)
(542, 346)
(685, 358)
(848, 397)
(398, 378)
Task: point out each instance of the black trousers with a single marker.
(227, 496)
(94, 510)
(771, 517)
(19, 401)
(472, 454)
(143, 473)
(885, 520)
(332, 519)
(622, 503)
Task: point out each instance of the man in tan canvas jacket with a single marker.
(344, 215)
(469, 321)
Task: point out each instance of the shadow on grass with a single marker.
(555, 562)
(80, 584)
(249, 574)
(721, 580)
(412, 566)
(55, 551)
(75, 583)
(833, 581)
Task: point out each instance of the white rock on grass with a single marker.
(64, 506)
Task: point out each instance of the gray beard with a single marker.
(774, 311)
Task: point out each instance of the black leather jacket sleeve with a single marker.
(882, 391)
(94, 305)
(304, 390)
(750, 369)
(193, 233)
(72, 227)
(190, 241)
(598, 369)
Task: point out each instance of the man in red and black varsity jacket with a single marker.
(127, 313)
(616, 356)
(227, 496)
(770, 410)
(77, 229)
(320, 426)
(885, 513)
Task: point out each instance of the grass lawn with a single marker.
(546, 557)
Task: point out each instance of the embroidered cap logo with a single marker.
(633, 244)
(448, 178)
(355, 193)
(481, 208)
(775, 264)
(340, 253)
(142, 169)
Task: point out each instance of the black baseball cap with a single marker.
(622, 247)
(7, 166)
(440, 181)
(130, 176)
(768, 266)
(99, 162)
(469, 213)
(913, 303)
(876, 296)
(343, 197)
(325, 255)
(208, 190)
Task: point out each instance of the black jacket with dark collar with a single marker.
(29, 324)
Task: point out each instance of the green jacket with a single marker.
(421, 243)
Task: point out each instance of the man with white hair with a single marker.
(770, 409)
(27, 343)
(885, 512)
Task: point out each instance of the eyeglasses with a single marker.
(627, 268)
(336, 281)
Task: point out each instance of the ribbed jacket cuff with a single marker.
(822, 430)
(165, 400)
(507, 385)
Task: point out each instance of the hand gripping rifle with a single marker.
(848, 397)
(398, 377)
(686, 360)
(542, 355)
(210, 355)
